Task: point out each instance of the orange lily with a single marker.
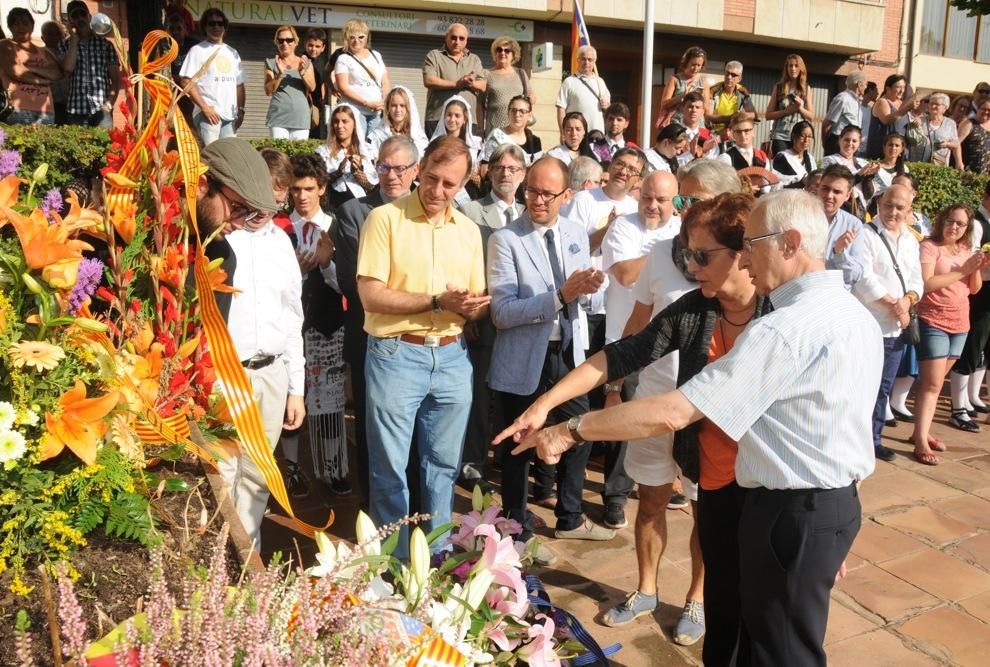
(79, 217)
(47, 247)
(80, 426)
(123, 212)
(9, 190)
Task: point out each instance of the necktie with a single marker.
(510, 215)
(563, 317)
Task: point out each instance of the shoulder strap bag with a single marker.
(912, 332)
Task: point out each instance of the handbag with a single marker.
(911, 334)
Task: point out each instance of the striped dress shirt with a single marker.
(798, 388)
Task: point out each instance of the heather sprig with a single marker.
(71, 616)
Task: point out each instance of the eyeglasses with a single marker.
(742, 130)
(508, 168)
(733, 75)
(682, 203)
(216, 24)
(503, 49)
(956, 223)
(748, 243)
(547, 197)
(625, 168)
(399, 169)
(358, 37)
(244, 214)
(518, 110)
(285, 40)
(700, 257)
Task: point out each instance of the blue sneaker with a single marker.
(691, 625)
(635, 605)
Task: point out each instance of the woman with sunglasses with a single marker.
(701, 326)
(573, 143)
(505, 81)
(515, 132)
(951, 273)
(289, 79)
(360, 75)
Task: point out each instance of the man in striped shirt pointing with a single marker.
(796, 392)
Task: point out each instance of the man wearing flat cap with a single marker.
(265, 313)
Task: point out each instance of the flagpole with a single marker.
(646, 126)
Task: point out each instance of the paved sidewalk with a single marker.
(917, 592)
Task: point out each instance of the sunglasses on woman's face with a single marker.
(700, 257)
(286, 40)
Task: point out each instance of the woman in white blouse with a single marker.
(360, 74)
(348, 158)
(849, 141)
(794, 164)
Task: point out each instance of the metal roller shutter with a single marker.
(760, 83)
(253, 45)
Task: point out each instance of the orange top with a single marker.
(717, 450)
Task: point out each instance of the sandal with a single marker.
(936, 444)
(926, 458)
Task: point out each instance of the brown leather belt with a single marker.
(429, 341)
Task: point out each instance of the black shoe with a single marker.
(468, 484)
(884, 453)
(295, 481)
(964, 424)
(902, 416)
(981, 409)
(340, 487)
(890, 422)
(615, 516)
(677, 501)
(973, 414)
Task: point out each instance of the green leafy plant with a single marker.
(940, 186)
(69, 151)
(288, 146)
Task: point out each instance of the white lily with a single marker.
(366, 532)
(419, 556)
(326, 557)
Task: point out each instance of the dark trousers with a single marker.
(485, 413)
(570, 469)
(893, 350)
(726, 640)
(976, 351)
(791, 545)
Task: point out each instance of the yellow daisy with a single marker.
(43, 356)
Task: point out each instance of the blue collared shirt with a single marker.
(852, 261)
(798, 388)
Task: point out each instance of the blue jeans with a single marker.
(210, 133)
(427, 387)
(893, 350)
(30, 118)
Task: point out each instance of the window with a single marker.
(947, 31)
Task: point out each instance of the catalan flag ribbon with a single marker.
(579, 35)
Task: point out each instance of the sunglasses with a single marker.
(216, 24)
(682, 203)
(457, 38)
(700, 257)
(983, 91)
(285, 40)
(503, 49)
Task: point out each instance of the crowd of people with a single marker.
(730, 321)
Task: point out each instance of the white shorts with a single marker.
(650, 462)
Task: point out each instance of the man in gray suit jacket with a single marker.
(493, 211)
(542, 334)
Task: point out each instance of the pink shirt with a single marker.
(946, 308)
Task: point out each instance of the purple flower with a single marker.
(9, 162)
(88, 278)
(51, 203)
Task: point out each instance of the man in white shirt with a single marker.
(584, 91)
(843, 110)
(265, 320)
(843, 250)
(219, 93)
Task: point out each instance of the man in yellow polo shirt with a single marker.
(421, 275)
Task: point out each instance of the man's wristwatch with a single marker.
(573, 424)
(610, 388)
(435, 302)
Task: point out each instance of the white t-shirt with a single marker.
(218, 85)
(581, 93)
(368, 88)
(627, 238)
(660, 283)
(591, 208)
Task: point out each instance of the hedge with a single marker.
(75, 151)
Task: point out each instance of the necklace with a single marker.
(721, 316)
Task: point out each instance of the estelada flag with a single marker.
(579, 35)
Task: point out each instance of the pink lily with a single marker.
(539, 652)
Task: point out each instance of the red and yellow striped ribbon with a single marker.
(438, 653)
(234, 381)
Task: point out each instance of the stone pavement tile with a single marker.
(957, 475)
(648, 647)
(975, 550)
(879, 648)
(853, 561)
(877, 543)
(979, 462)
(982, 493)
(969, 509)
(949, 633)
(884, 594)
(927, 523)
(978, 606)
(902, 487)
(844, 623)
(940, 574)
